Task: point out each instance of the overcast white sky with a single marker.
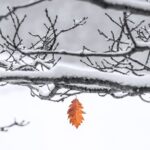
(110, 124)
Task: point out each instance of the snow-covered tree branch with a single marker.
(133, 6)
(115, 72)
(118, 71)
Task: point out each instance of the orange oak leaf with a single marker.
(75, 113)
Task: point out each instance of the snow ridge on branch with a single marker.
(133, 6)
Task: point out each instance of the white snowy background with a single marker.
(110, 124)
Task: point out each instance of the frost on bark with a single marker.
(118, 71)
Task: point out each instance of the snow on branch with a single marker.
(133, 6)
(74, 75)
(117, 71)
(17, 59)
(77, 79)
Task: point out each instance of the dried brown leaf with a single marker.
(75, 113)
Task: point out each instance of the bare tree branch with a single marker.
(15, 8)
(15, 123)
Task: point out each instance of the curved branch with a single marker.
(15, 123)
(133, 6)
(15, 8)
(76, 78)
(143, 46)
